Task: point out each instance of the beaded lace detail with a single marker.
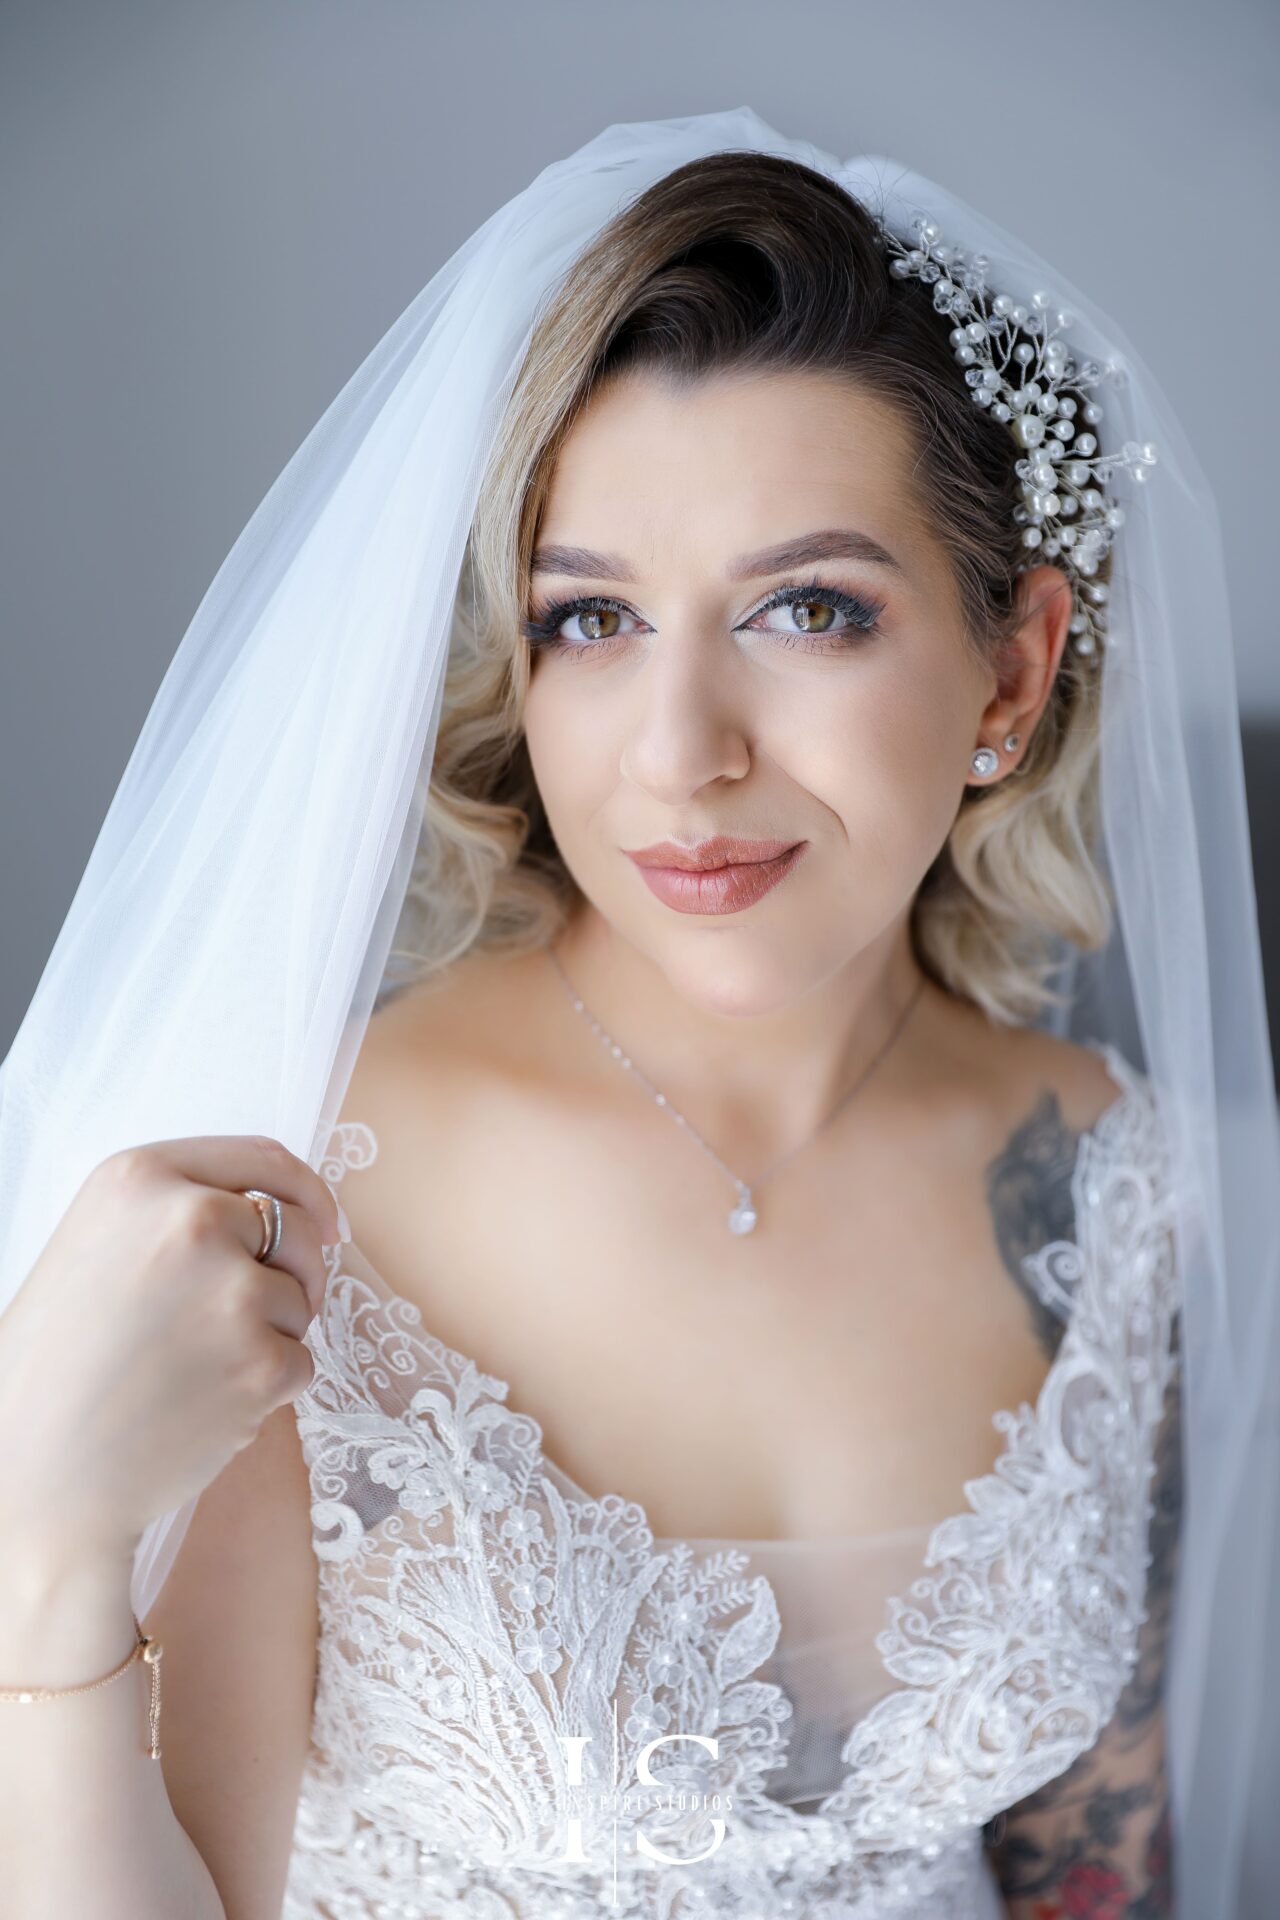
(483, 1624)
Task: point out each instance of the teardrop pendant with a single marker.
(743, 1217)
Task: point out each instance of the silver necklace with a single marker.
(744, 1215)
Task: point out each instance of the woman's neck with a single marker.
(756, 1057)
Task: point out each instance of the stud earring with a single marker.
(1011, 741)
(985, 760)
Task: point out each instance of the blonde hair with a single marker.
(750, 262)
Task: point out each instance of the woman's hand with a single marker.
(147, 1344)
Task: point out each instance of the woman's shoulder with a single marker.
(1114, 1098)
(462, 1056)
(1088, 1076)
(477, 1028)
(1122, 1149)
(454, 1032)
(437, 1058)
(1018, 1079)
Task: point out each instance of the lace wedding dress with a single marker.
(497, 1648)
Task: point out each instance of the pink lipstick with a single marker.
(720, 875)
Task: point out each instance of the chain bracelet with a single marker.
(145, 1648)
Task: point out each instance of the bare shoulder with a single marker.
(1056, 1082)
(446, 1037)
(1041, 1097)
(437, 1063)
(1045, 1093)
(1006, 1084)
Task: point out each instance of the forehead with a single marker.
(654, 472)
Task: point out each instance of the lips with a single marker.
(707, 880)
(720, 851)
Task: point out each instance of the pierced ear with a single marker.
(1029, 659)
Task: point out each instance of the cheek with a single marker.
(569, 751)
(892, 770)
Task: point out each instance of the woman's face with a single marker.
(780, 660)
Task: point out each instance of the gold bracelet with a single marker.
(149, 1649)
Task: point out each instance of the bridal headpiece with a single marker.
(1018, 365)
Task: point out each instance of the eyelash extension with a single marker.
(863, 614)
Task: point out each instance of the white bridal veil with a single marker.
(223, 952)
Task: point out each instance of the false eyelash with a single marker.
(540, 628)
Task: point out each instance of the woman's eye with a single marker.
(596, 623)
(821, 613)
(811, 612)
(599, 621)
(811, 616)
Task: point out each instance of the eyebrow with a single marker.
(829, 543)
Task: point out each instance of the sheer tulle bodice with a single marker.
(498, 1649)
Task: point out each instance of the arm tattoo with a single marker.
(1096, 1843)
(1029, 1194)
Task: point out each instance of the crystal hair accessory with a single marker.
(1018, 364)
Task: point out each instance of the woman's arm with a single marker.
(91, 1825)
(86, 1826)
(1097, 1840)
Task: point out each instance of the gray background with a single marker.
(211, 213)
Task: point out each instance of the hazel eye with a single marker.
(820, 612)
(811, 616)
(598, 623)
(600, 617)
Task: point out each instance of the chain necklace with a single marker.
(744, 1215)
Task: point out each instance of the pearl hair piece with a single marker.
(1064, 513)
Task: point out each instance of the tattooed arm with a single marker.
(1096, 1841)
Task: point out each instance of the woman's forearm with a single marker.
(86, 1825)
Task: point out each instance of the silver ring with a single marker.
(272, 1225)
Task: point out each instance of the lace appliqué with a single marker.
(482, 1624)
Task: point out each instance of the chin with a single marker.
(739, 986)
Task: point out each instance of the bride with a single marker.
(701, 1429)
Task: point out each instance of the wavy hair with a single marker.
(751, 262)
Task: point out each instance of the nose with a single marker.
(690, 722)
